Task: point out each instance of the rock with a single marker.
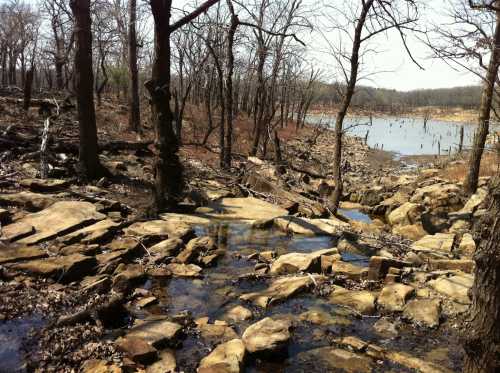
(435, 221)
(406, 214)
(267, 336)
(226, 357)
(184, 270)
(28, 200)
(331, 359)
(99, 284)
(127, 278)
(300, 262)
(319, 317)
(200, 250)
(146, 301)
(165, 364)
(415, 363)
(349, 270)
(423, 312)
(385, 328)
(310, 227)
(372, 196)
(137, 349)
(4, 217)
(160, 229)
(361, 301)
(281, 289)
(217, 333)
(239, 313)
(88, 250)
(58, 219)
(429, 172)
(13, 232)
(455, 287)
(189, 219)
(44, 185)
(474, 201)
(243, 209)
(393, 297)
(157, 333)
(165, 250)
(63, 268)
(467, 245)
(94, 233)
(464, 265)
(379, 267)
(438, 195)
(440, 243)
(99, 366)
(11, 253)
(412, 232)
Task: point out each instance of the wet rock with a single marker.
(28, 200)
(244, 209)
(137, 349)
(360, 300)
(184, 270)
(239, 313)
(44, 185)
(406, 214)
(386, 328)
(412, 362)
(63, 269)
(200, 250)
(99, 366)
(165, 250)
(11, 253)
(226, 357)
(455, 287)
(393, 297)
(128, 277)
(440, 243)
(464, 265)
(166, 363)
(267, 336)
(379, 267)
(330, 359)
(157, 333)
(217, 333)
(349, 270)
(300, 262)
(319, 317)
(282, 289)
(423, 312)
(58, 219)
(310, 227)
(160, 229)
(94, 233)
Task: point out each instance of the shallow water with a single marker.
(406, 136)
(355, 214)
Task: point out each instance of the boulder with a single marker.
(267, 336)
(64, 269)
(226, 357)
(157, 333)
(361, 301)
(444, 195)
(166, 363)
(282, 289)
(423, 312)
(349, 270)
(239, 313)
(406, 214)
(248, 208)
(300, 262)
(455, 287)
(310, 227)
(160, 229)
(393, 297)
(379, 267)
(59, 219)
(184, 270)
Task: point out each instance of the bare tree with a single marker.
(134, 118)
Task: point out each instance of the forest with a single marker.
(224, 186)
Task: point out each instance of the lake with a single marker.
(405, 136)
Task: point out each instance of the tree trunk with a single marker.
(482, 329)
(84, 82)
(168, 168)
(28, 83)
(470, 184)
(134, 117)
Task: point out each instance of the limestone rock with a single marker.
(156, 333)
(200, 250)
(166, 363)
(189, 219)
(406, 214)
(393, 297)
(349, 270)
(93, 233)
(310, 227)
(438, 195)
(464, 265)
(58, 219)
(300, 262)
(99, 366)
(379, 267)
(227, 357)
(474, 201)
(412, 232)
(11, 253)
(467, 245)
(360, 300)
(441, 243)
(239, 313)
(386, 328)
(44, 185)
(217, 333)
(244, 209)
(13, 232)
(28, 200)
(160, 229)
(267, 336)
(331, 359)
(455, 287)
(131, 275)
(184, 270)
(423, 311)
(162, 251)
(137, 349)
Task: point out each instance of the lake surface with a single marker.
(405, 136)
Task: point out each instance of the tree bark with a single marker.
(470, 183)
(28, 83)
(482, 329)
(134, 117)
(89, 164)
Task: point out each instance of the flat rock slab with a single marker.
(242, 209)
(226, 357)
(310, 227)
(393, 297)
(267, 336)
(44, 185)
(28, 200)
(160, 228)
(11, 253)
(58, 219)
(454, 287)
(440, 242)
(349, 270)
(157, 333)
(423, 312)
(63, 268)
(16, 231)
(281, 289)
(361, 301)
(331, 359)
(300, 262)
(92, 234)
(190, 219)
